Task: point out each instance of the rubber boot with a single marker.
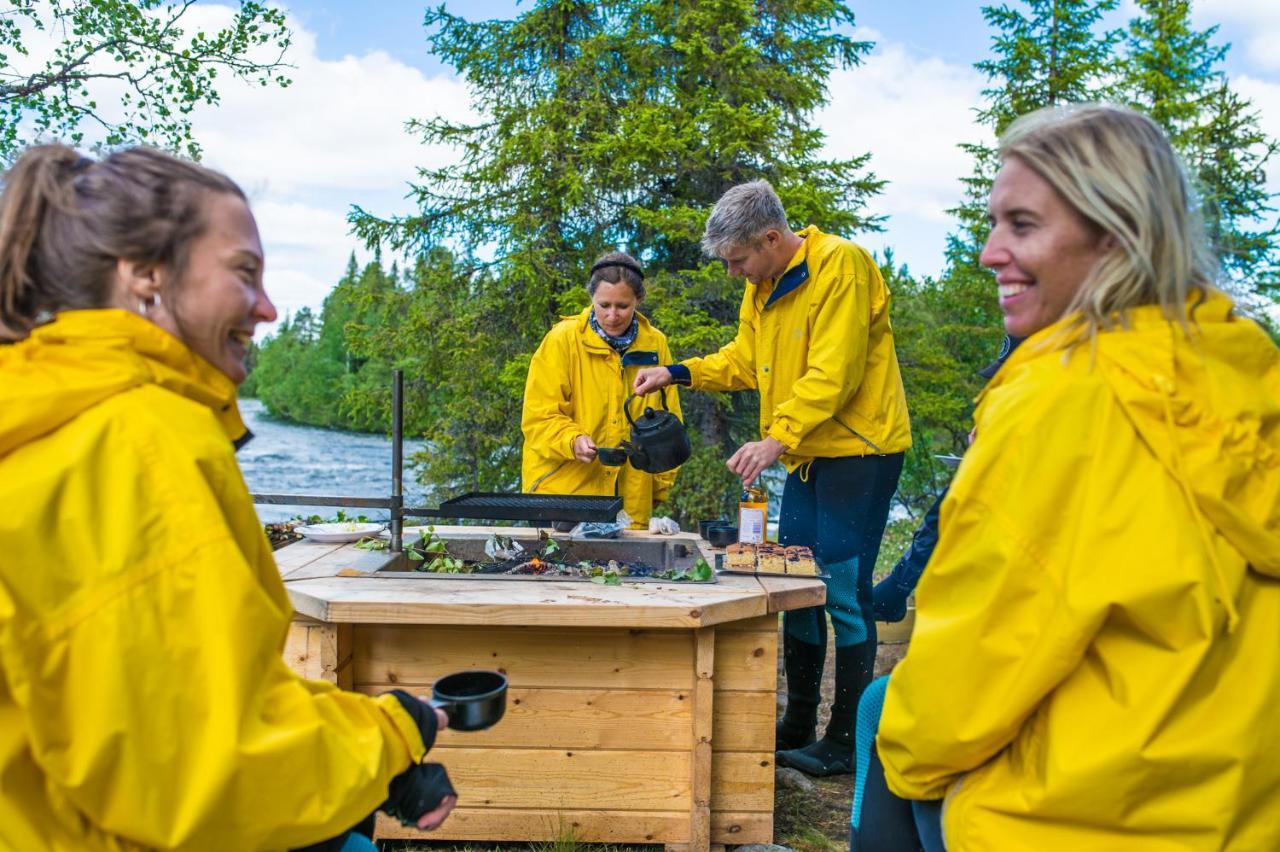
(833, 754)
(803, 664)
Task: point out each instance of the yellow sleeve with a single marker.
(998, 627)
(156, 698)
(547, 419)
(734, 366)
(662, 482)
(837, 357)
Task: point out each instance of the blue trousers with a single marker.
(838, 507)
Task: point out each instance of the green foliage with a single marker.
(309, 373)
(604, 124)
(136, 47)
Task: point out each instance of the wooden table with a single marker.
(639, 713)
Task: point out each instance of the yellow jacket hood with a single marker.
(1220, 442)
(84, 357)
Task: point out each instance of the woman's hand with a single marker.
(584, 449)
(651, 379)
(432, 820)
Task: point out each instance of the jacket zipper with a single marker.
(859, 436)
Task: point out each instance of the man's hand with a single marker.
(752, 458)
(651, 379)
(584, 449)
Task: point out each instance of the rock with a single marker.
(762, 847)
(793, 779)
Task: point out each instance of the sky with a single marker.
(336, 137)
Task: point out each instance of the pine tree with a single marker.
(1173, 73)
(614, 124)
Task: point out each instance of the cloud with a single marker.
(911, 113)
(305, 153)
(1256, 21)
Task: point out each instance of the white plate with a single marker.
(949, 461)
(334, 533)
(406, 532)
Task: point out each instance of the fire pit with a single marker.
(534, 556)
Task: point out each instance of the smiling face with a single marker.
(1040, 249)
(615, 305)
(219, 300)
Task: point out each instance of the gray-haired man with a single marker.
(814, 339)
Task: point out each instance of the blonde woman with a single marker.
(1096, 657)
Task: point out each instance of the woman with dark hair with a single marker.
(1096, 656)
(145, 699)
(577, 387)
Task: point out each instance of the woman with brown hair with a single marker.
(145, 699)
(576, 394)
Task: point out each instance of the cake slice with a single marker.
(800, 561)
(740, 557)
(770, 558)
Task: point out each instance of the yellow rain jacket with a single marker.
(818, 346)
(1096, 656)
(144, 700)
(577, 385)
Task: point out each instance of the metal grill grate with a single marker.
(525, 507)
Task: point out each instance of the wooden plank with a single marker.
(394, 655)
(341, 561)
(299, 554)
(787, 593)
(744, 721)
(704, 641)
(747, 661)
(584, 826)
(741, 781)
(759, 624)
(488, 602)
(574, 780)
(740, 828)
(320, 651)
(648, 720)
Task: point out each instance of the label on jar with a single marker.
(750, 525)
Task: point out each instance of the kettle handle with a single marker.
(626, 406)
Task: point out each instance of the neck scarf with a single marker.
(623, 341)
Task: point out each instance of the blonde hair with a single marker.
(65, 219)
(1117, 170)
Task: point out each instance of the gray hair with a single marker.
(742, 216)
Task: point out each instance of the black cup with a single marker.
(722, 536)
(473, 700)
(611, 456)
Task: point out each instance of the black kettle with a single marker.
(659, 441)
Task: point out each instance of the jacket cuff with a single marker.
(422, 714)
(680, 374)
(784, 437)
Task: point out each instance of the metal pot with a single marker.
(473, 700)
(722, 536)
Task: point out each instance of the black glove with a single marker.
(418, 790)
(422, 713)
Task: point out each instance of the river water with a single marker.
(284, 458)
